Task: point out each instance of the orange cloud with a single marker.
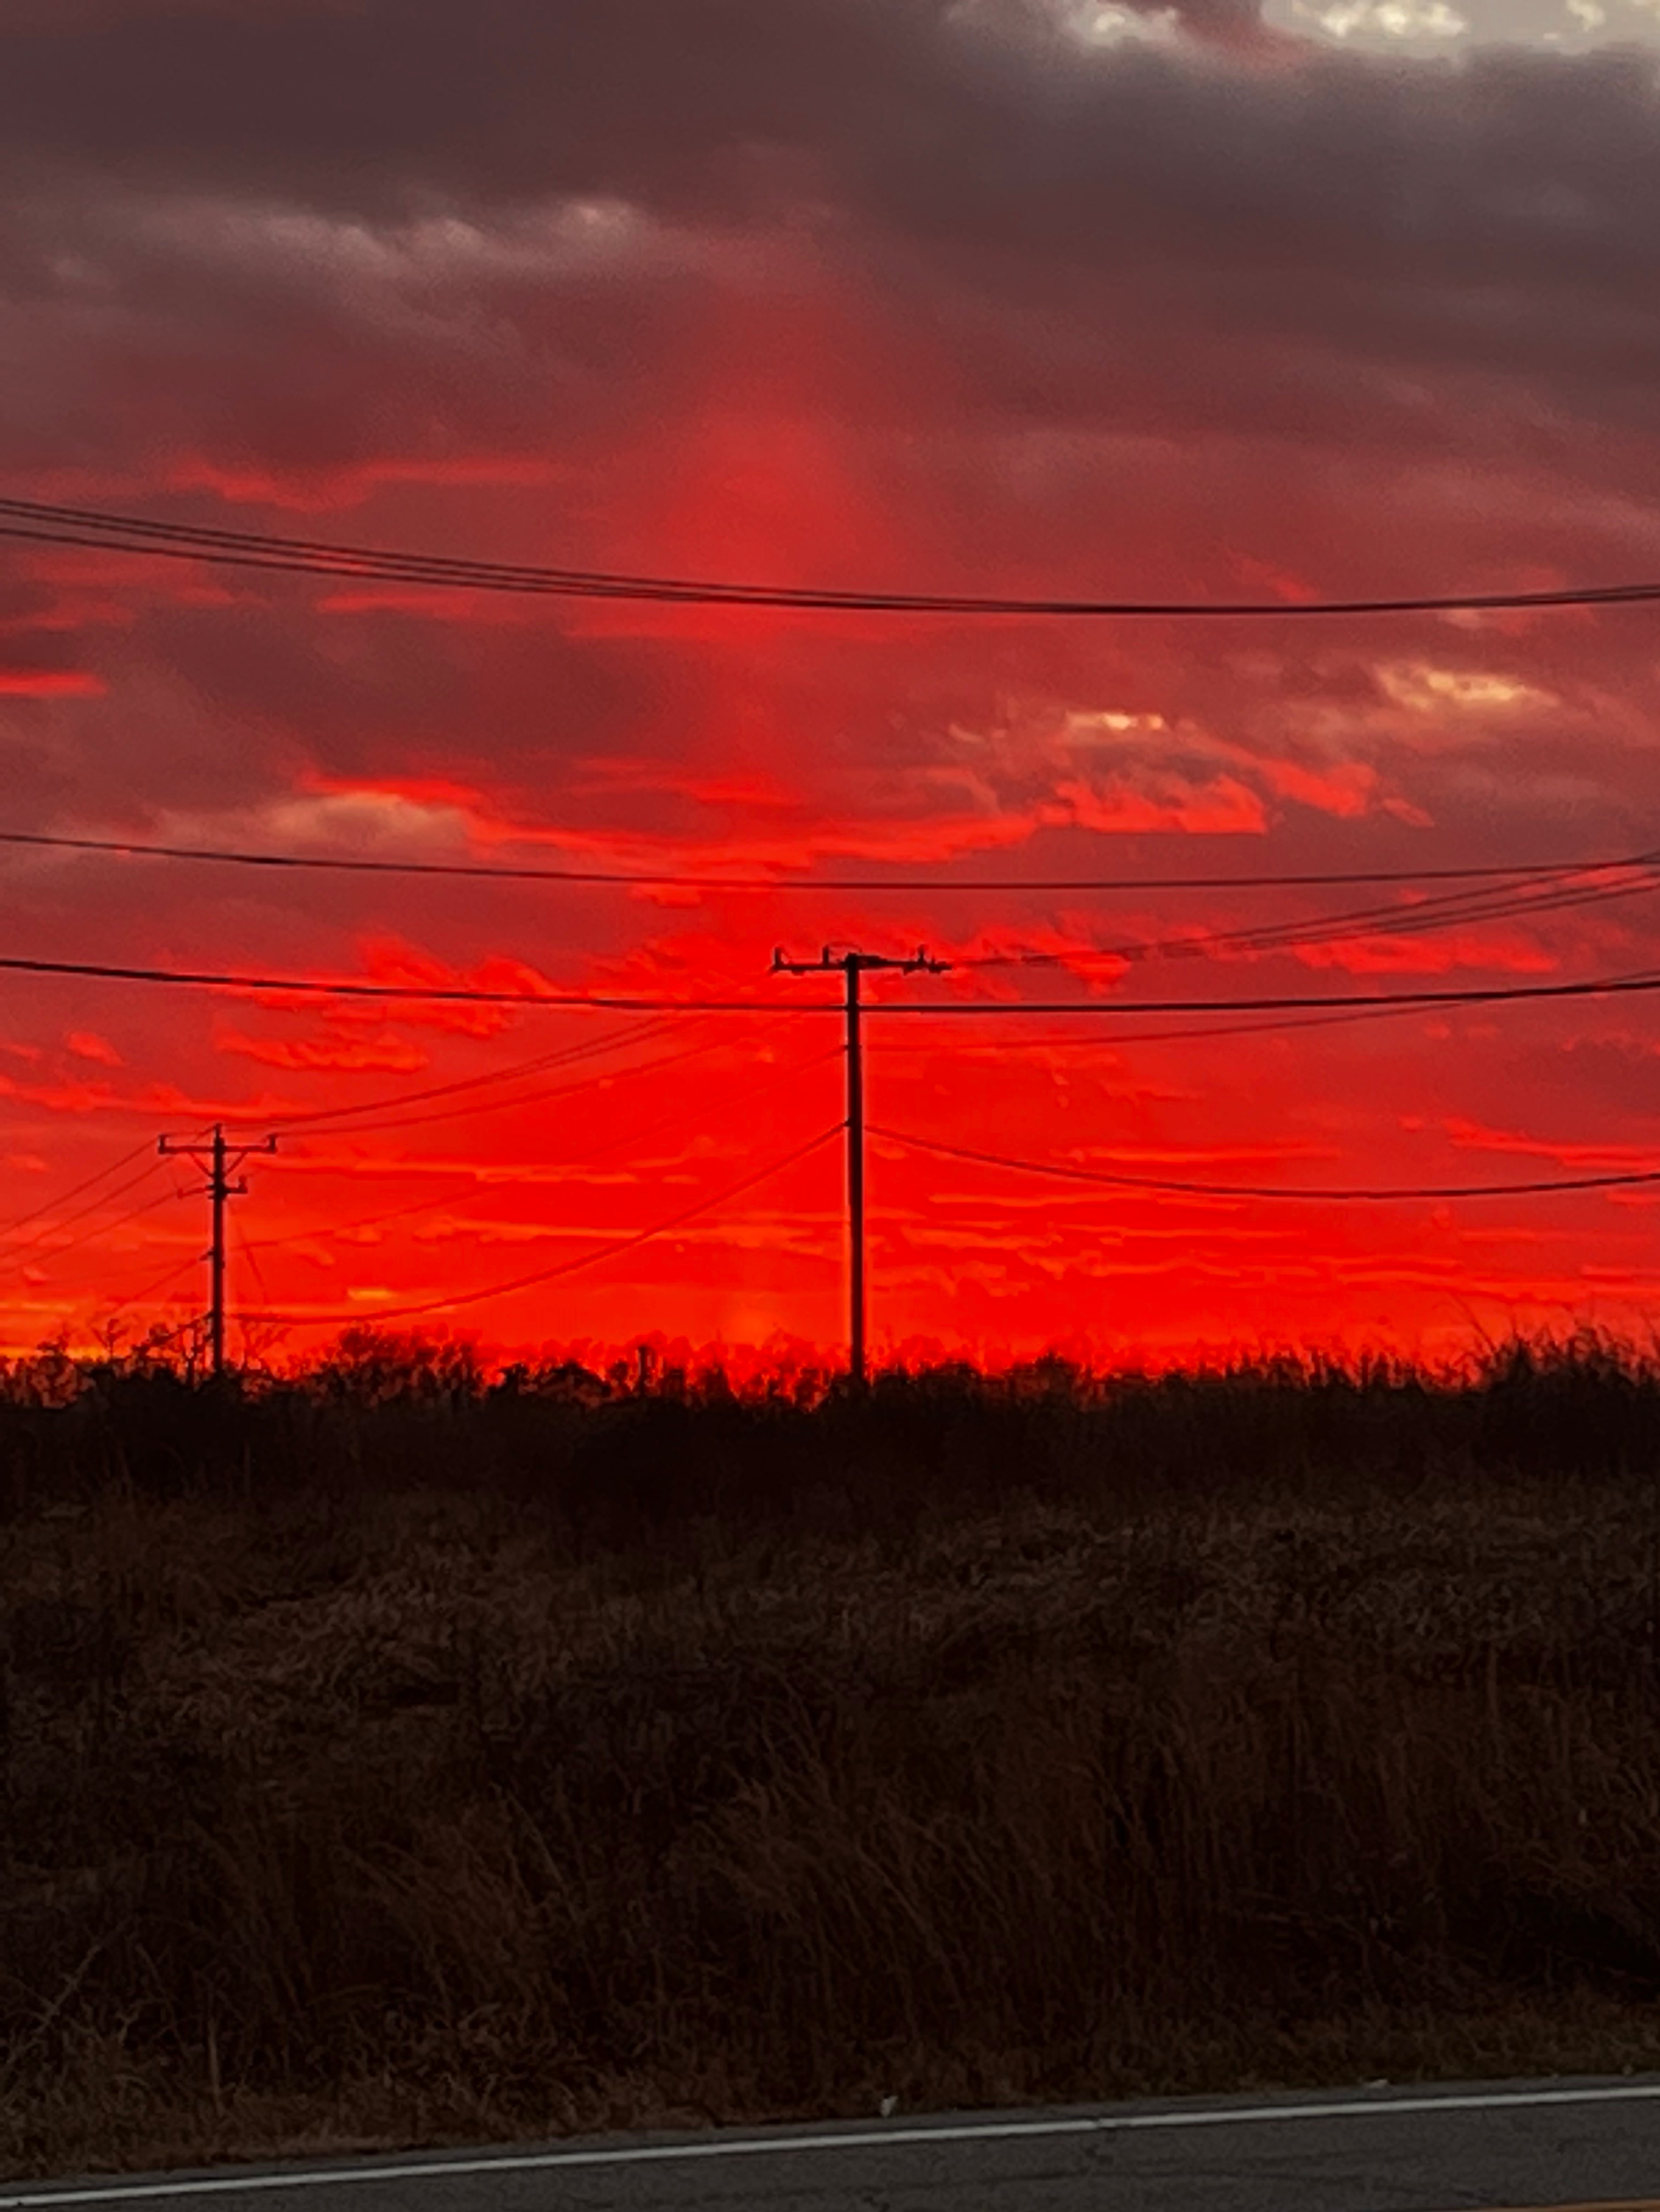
(1438, 954)
(340, 1057)
(1222, 807)
(86, 1044)
(51, 683)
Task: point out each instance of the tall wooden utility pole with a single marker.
(852, 966)
(219, 1159)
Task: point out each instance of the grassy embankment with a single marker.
(393, 1759)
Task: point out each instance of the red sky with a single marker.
(1004, 297)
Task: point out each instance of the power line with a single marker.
(100, 1230)
(150, 1290)
(372, 1117)
(580, 1160)
(17, 1252)
(426, 994)
(1361, 1002)
(1072, 1040)
(1546, 888)
(364, 1220)
(154, 1342)
(956, 1009)
(353, 864)
(602, 1080)
(568, 1267)
(37, 521)
(1449, 911)
(247, 1252)
(62, 1198)
(1265, 1190)
(641, 1033)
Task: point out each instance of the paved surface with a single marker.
(1562, 2143)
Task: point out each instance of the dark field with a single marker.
(393, 1756)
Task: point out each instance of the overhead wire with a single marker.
(1073, 1041)
(101, 1229)
(37, 1244)
(1381, 1194)
(152, 1289)
(62, 1198)
(421, 994)
(955, 1009)
(245, 1251)
(471, 1183)
(372, 1316)
(359, 864)
(138, 535)
(332, 1229)
(1548, 897)
(1362, 1002)
(301, 1118)
(537, 1095)
(1543, 889)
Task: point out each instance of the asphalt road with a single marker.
(1577, 2144)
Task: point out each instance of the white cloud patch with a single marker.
(1428, 690)
(1390, 19)
(1112, 25)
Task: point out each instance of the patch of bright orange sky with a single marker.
(786, 442)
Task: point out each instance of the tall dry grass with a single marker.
(395, 1754)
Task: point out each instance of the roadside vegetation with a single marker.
(399, 1753)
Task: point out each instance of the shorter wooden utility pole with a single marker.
(219, 1159)
(852, 966)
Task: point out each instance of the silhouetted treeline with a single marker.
(641, 1446)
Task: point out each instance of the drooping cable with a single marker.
(592, 1048)
(62, 1198)
(891, 1009)
(1549, 896)
(471, 1184)
(469, 870)
(37, 1244)
(1356, 1192)
(139, 535)
(372, 1316)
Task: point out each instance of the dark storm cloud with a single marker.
(1497, 211)
(983, 122)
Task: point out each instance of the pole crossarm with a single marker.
(220, 1160)
(920, 962)
(851, 964)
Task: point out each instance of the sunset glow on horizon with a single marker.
(1181, 305)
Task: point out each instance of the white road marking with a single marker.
(542, 2161)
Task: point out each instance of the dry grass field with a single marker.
(393, 1757)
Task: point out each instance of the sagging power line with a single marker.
(22, 1220)
(1351, 1193)
(1450, 910)
(608, 1251)
(142, 537)
(354, 864)
(954, 1010)
(676, 1120)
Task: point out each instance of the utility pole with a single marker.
(219, 1159)
(852, 966)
